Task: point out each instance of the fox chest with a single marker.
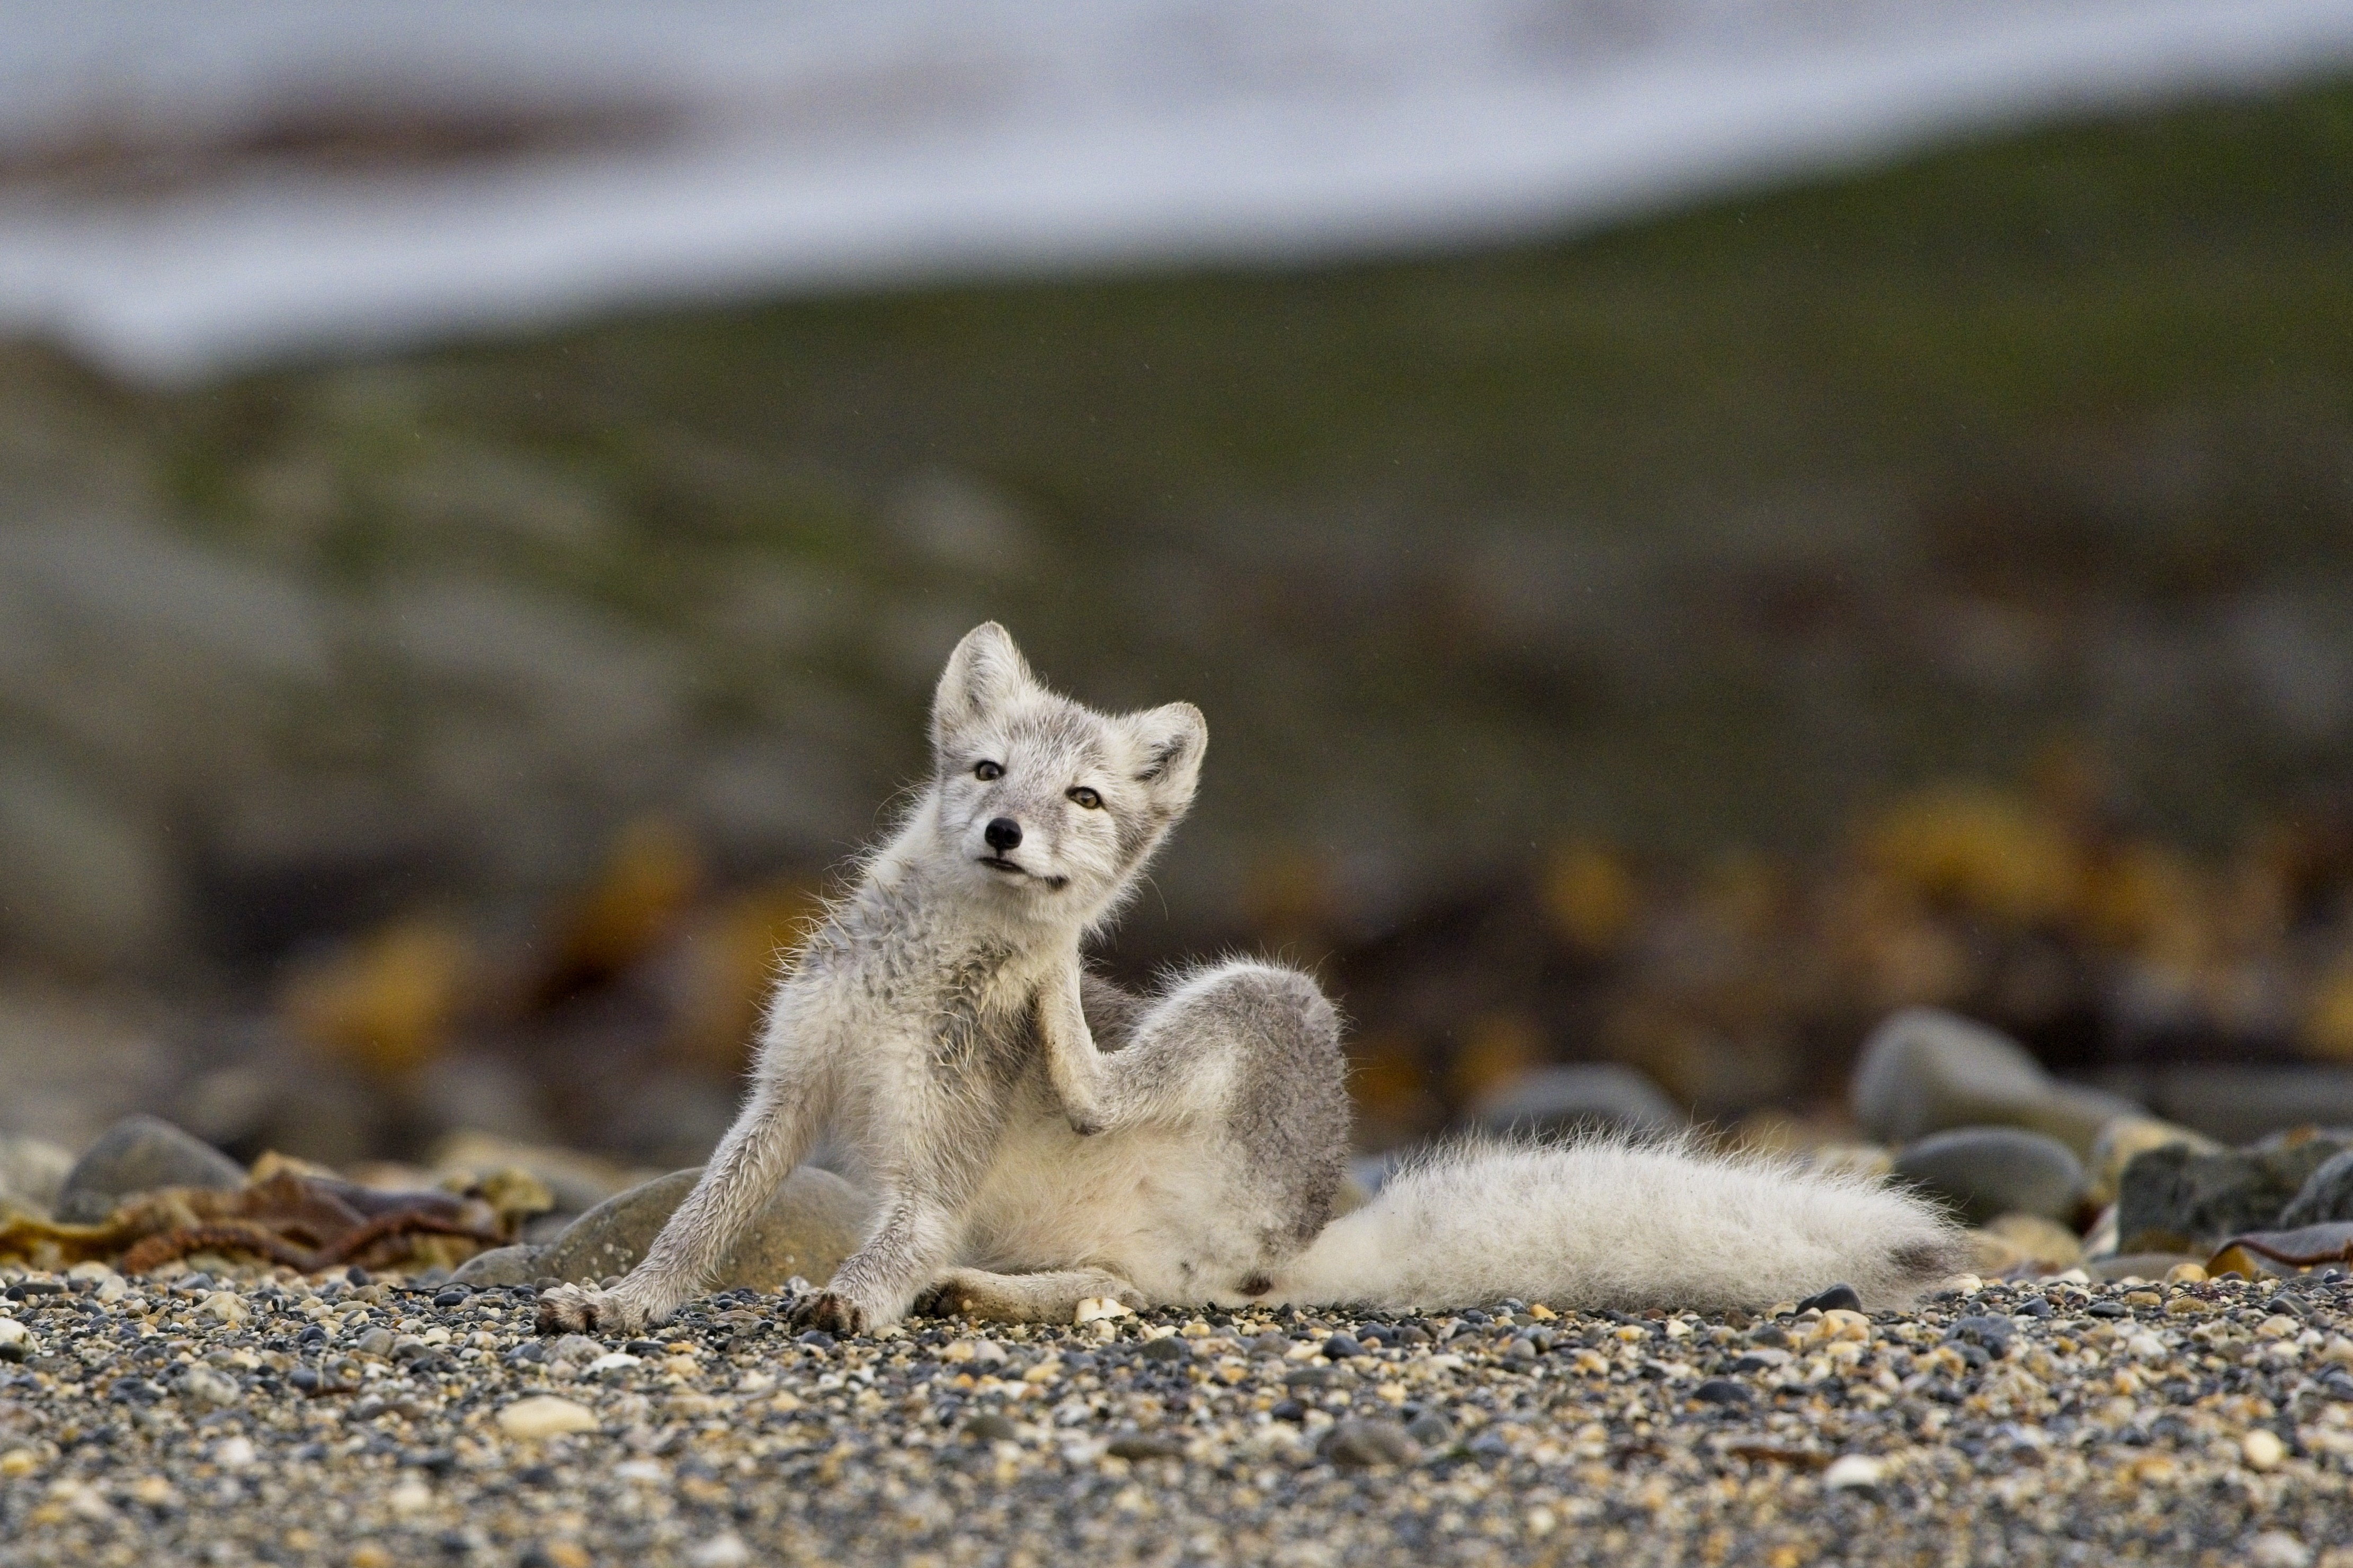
(983, 1027)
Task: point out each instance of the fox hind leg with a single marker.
(1048, 1297)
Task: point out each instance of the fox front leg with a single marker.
(1073, 1065)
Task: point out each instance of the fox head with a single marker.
(1042, 802)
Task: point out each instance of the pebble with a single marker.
(546, 1415)
(1984, 1172)
(1838, 1297)
(1357, 1442)
(1437, 1443)
(1849, 1472)
(2278, 1548)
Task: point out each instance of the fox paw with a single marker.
(587, 1309)
(837, 1315)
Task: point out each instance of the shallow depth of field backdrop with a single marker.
(1667, 620)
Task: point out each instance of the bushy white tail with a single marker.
(1606, 1222)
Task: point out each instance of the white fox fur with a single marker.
(939, 1026)
(1601, 1222)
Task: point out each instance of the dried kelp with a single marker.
(286, 1214)
(2261, 1252)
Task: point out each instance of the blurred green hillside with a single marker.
(1713, 530)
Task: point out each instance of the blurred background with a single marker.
(1695, 523)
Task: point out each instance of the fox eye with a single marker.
(1085, 797)
(987, 772)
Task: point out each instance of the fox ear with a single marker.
(1169, 743)
(984, 673)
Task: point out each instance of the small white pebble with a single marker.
(546, 1415)
(2278, 1548)
(234, 1453)
(2262, 1449)
(1850, 1470)
(2149, 1347)
(610, 1360)
(411, 1496)
(724, 1550)
(1095, 1309)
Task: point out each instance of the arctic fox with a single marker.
(1033, 1137)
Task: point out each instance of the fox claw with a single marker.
(586, 1310)
(837, 1315)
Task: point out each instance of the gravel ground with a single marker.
(282, 1420)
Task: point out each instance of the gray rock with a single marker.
(2239, 1104)
(499, 1266)
(138, 1154)
(1926, 1070)
(2325, 1197)
(814, 1222)
(1988, 1171)
(1358, 1442)
(2173, 1200)
(32, 1171)
(1591, 1094)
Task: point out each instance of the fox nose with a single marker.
(1003, 834)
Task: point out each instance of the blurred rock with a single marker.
(2241, 1104)
(138, 1154)
(2102, 1238)
(1984, 1172)
(1871, 1160)
(1926, 1069)
(482, 1093)
(499, 1266)
(2326, 1195)
(312, 1110)
(2046, 1243)
(1356, 1442)
(815, 1221)
(1991, 1256)
(32, 1173)
(2127, 1138)
(1561, 1099)
(2175, 1200)
(576, 1182)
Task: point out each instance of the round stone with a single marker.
(1983, 1172)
